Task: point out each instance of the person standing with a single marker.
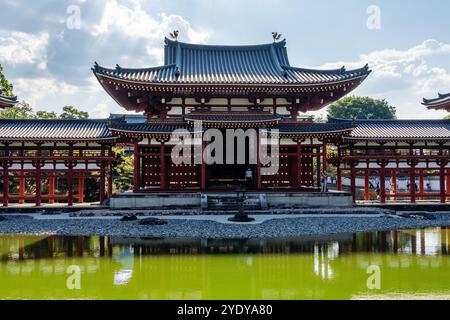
(324, 181)
(249, 178)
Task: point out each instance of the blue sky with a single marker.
(49, 60)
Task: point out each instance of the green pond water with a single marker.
(398, 264)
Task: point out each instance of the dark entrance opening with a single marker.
(233, 175)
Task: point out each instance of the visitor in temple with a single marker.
(249, 177)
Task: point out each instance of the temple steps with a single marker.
(221, 202)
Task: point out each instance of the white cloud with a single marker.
(24, 48)
(134, 22)
(404, 77)
(39, 91)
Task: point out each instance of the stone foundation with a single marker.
(163, 200)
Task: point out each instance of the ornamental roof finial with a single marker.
(174, 35)
(276, 36)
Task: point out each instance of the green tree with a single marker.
(5, 86)
(46, 115)
(123, 172)
(70, 112)
(362, 108)
(21, 111)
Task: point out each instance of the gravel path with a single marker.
(281, 227)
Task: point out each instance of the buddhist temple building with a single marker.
(228, 87)
(6, 101)
(48, 161)
(442, 102)
(194, 100)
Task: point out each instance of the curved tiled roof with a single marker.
(53, 130)
(401, 130)
(147, 127)
(205, 64)
(441, 102)
(6, 101)
(328, 127)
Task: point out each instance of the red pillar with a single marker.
(412, 184)
(299, 167)
(110, 182)
(80, 187)
(22, 186)
(442, 183)
(70, 177)
(136, 178)
(366, 186)
(102, 182)
(394, 184)
(70, 184)
(51, 187)
(38, 185)
(353, 180)
(162, 166)
(203, 168)
(421, 185)
(319, 169)
(5, 184)
(383, 185)
(339, 177)
(258, 166)
(448, 182)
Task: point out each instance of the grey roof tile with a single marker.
(205, 64)
(45, 130)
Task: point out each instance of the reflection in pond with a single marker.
(413, 263)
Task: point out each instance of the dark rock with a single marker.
(50, 213)
(420, 216)
(2, 218)
(87, 214)
(129, 217)
(152, 222)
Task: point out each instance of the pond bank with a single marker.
(215, 227)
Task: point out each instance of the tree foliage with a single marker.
(362, 108)
(123, 172)
(70, 112)
(5, 86)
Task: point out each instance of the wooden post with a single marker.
(38, 184)
(70, 177)
(412, 183)
(448, 183)
(258, 166)
(162, 167)
(394, 184)
(102, 182)
(299, 166)
(353, 180)
(22, 185)
(51, 187)
(136, 178)
(366, 186)
(110, 182)
(442, 183)
(38, 167)
(421, 185)
(203, 167)
(80, 187)
(5, 184)
(339, 177)
(383, 184)
(319, 170)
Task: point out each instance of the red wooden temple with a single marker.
(225, 87)
(248, 88)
